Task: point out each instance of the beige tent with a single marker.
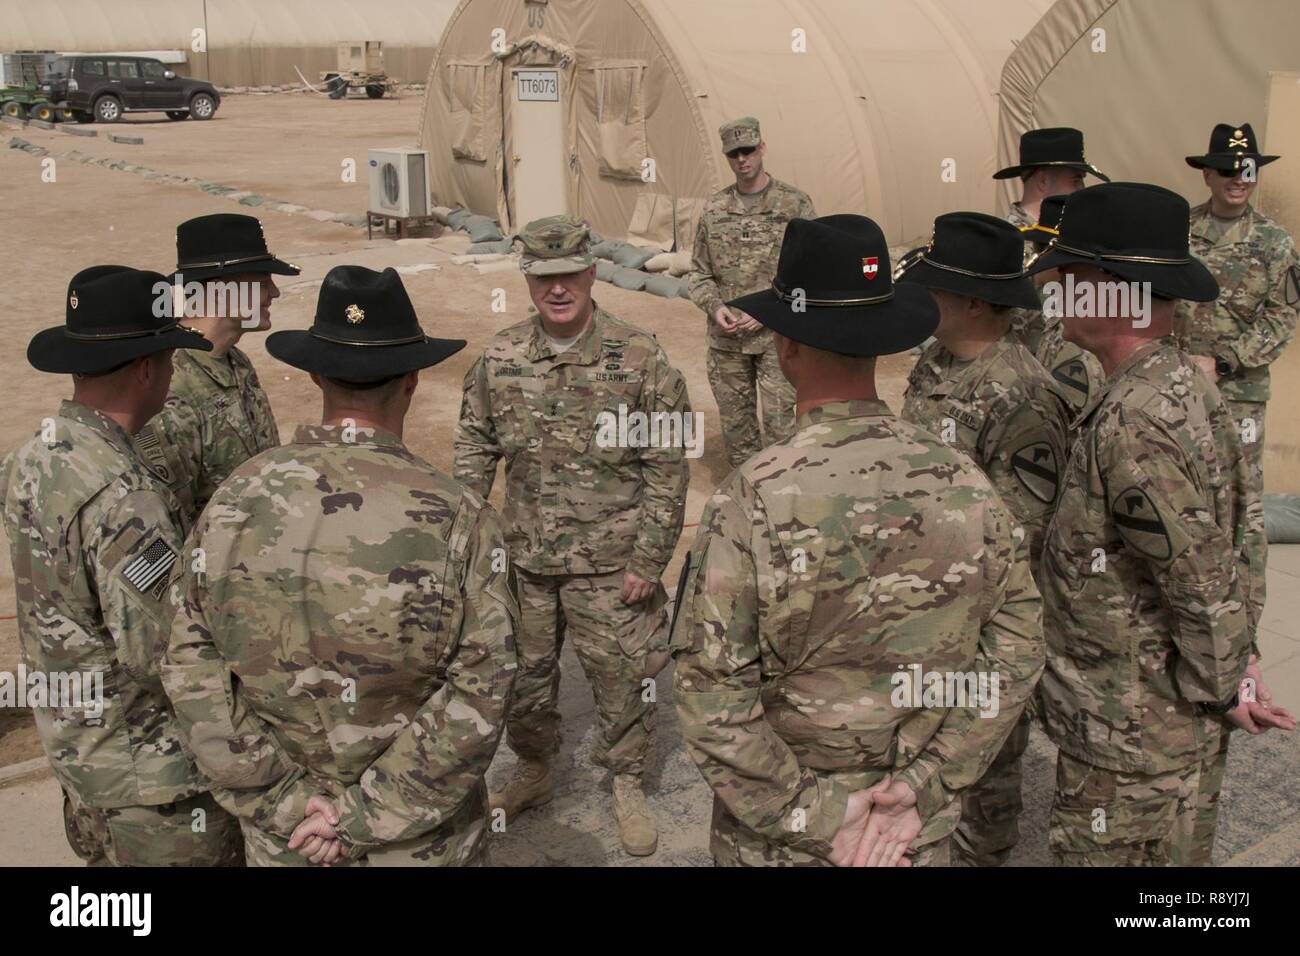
(610, 110)
(1146, 80)
(249, 43)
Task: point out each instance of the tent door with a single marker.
(537, 163)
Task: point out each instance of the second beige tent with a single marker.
(610, 110)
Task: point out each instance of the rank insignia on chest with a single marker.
(745, 234)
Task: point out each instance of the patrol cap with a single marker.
(554, 246)
(740, 133)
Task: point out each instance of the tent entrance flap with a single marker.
(536, 165)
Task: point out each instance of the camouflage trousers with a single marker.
(1249, 417)
(739, 382)
(460, 841)
(190, 832)
(1104, 817)
(613, 641)
(990, 810)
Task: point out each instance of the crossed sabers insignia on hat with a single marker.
(1239, 139)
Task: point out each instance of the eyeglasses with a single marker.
(741, 151)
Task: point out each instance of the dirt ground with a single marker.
(291, 148)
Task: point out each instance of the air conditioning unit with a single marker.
(399, 182)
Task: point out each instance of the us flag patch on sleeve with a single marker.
(151, 567)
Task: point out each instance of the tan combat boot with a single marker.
(636, 824)
(530, 786)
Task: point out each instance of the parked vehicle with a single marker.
(360, 67)
(101, 87)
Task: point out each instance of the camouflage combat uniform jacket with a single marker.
(572, 504)
(1001, 410)
(735, 254)
(1077, 373)
(824, 569)
(93, 538)
(352, 633)
(1148, 590)
(216, 418)
(1254, 317)
(1021, 219)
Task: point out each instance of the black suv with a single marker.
(102, 87)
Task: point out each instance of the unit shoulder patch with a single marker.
(1035, 466)
(1140, 524)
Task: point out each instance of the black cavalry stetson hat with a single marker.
(1049, 218)
(1056, 146)
(1135, 231)
(833, 291)
(976, 255)
(224, 244)
(1229, 146)
(365, 329)
(113, 314)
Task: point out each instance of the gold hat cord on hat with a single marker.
(966, 272)
(1057, 244)
(222, 263)
(409, 340)
(88, 336)
(830, 303)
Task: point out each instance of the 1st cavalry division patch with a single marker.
(1140, 526)
(1036, 468)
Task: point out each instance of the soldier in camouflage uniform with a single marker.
(736, 245)
(1077, 374)
(982, 392)
(217, 415)
(1236, 337)
(92, 537)
(592, 518)
(344, 651)
(1150, 590)
(828, 571)
(1052, 163)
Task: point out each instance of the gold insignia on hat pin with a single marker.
(355, 314)
(73, 300)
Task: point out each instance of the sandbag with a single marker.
(632, 257)
(500, 247)
(441, 213)
(483, 229)
(1282, 519)
(458, 217)
(604, 249)
(679, 263)
(665, 286)
(659, 263)
(629, 279)
(605, 270)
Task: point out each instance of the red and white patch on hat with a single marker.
(870, 266)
